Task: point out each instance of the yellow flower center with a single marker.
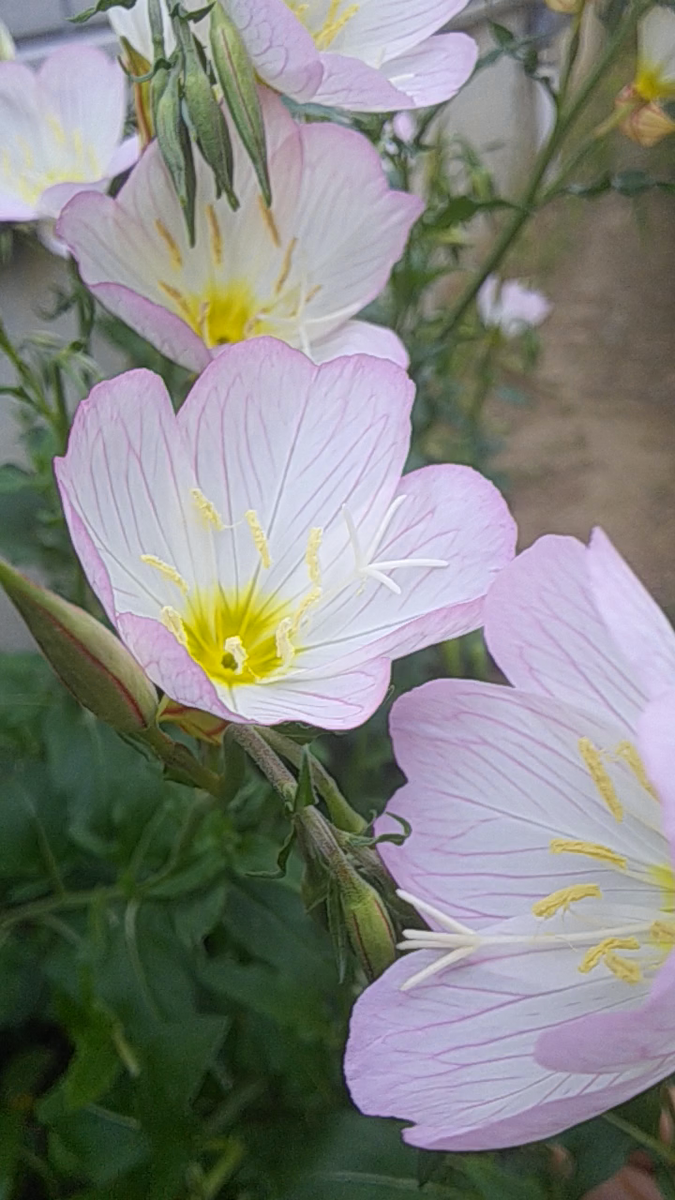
(78, 163)
(323, 23)
(234, 636)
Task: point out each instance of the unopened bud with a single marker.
(7, 47)
(644, 123)
(206, 116)
(87, 657)
(174, 141)
(237, 79)
(201, 725)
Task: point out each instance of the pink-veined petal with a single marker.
(163, 329)
(361, 337)
(383, 29)
(341, 702)
(127, 476)
(543, 629)
(273, 433)
(635, 622)
(86, 90)
(450, 514)
(656, 742)
(456, 1054)
(494, 776)
(282, 51)
(350, 248)
(354, 85)
(434, 71)
(123, 157)
(23, 139)
(169, 665)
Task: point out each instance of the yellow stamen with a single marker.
(170, 242)
(285, 266)
(285, 647)
(600, 777)
(596, 954)
(166, 570)
(627, 751)
(178, 299)
(270, 223)
(626, 971)
(565, 897)
(173, 621)
(333, 24)
(258, 537)
(235, 647)
(590, 849)
(312, 555)
(305, 604)
(207, 509)
(663, 932)
(216, 235)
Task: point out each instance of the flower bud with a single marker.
(201, 725)
(87, 657)
(237, 79)
(206, 116)
(644, 123)
(369, 928)
(7, 47)
(174, 141)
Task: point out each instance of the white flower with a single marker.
(511, 307)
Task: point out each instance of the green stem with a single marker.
(645, 1139)
(251, 740)
(341, 812)
(36, 909)
(60, 416)
(527, 205)
(182, 762)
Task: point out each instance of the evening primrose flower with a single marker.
(541, 857)
(62, 131)
(646, 121)
(370, 56)
(510, 307)
(259, 553)
(298, 271)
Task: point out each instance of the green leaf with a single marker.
(599, 1150)
(100, 7)
(103, 1143)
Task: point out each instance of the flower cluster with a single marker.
(263, 556)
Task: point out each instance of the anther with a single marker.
(597, 953)
(207, 509)
(629, 754)
(270, 223)
(312, 556)
(565, 897)
(259, 538)
(179, 300)
(284, 645)
(626, 971)
(600, 777)
(235, 647)
(173, 621)
(216, 235)
(167, 571)
(170, 242)
(590, 850)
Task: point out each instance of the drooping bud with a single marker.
(201, 725)
(644, 123)
(237, 79)
(7, 47)
(355, 908)
(205, 115)
(87, 657)
(174, 141)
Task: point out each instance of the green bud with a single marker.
(7, 47)
(87, 657)
(174, 141)
(369, 928)
(206, 116)
(237, 79)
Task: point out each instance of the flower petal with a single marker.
(127, 476)
(451, 513)
(384, 29)
(656, 742)
(169, 333)
(271, 432)
(86, 91)
(543, 629)
(633, 618)
(494, 776)
(341, 702)
(361, 337)
(169, 665)
(282, 51)
(354, 85)
(456, 1054)
(435, 70)
(23, 138)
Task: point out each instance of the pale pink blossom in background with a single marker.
(298, 272)
(374, 56)
(511, 307)
(543, 820)
(260, 554)
(62, 131)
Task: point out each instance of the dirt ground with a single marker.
(597, 444)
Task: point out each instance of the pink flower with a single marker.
(298, 272)
(259, 553)
(62, 131)
(541, 856)
(511, 307)
(373, 56)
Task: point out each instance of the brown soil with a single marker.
(597, 444)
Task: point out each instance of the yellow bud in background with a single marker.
(89, 659)
(644, 123)
(565, 6)
(7, 47)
